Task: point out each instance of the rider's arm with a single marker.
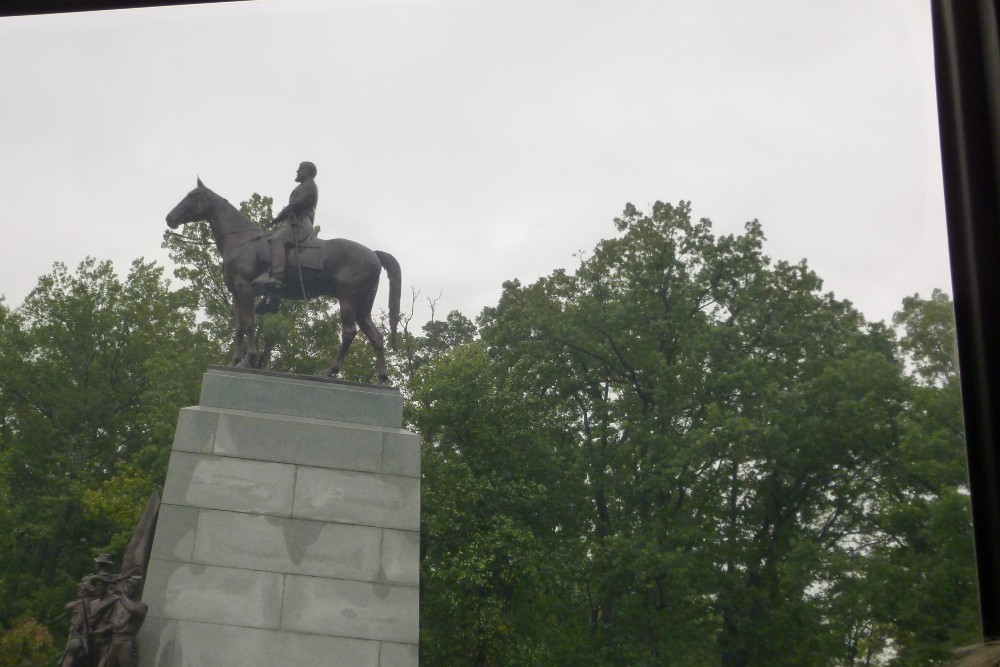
(301, 201)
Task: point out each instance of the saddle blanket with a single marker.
(308, 255)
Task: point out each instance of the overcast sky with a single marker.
(483, 141)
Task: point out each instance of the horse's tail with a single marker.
(391, 267)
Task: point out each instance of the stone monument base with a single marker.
(289, 529)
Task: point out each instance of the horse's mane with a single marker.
(242, 222)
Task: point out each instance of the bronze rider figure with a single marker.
(299, 214)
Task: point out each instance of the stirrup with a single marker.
(265, 278)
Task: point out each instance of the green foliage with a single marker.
(924, 575)
(930, 342)
(26, 644)
(498, 495)
(681, 453)
(93, 369)
(712, 458)
(121, 500)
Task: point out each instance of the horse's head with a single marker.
(192, 208)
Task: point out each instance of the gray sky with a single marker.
(479, 141)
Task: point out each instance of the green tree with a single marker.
(722, 430)
(680, 453)
(26, 644)
(93, 369)
(498, 498)
(929, 342)
(923, 572)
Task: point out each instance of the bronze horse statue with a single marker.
(339, 268)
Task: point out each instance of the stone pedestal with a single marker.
(289, 529)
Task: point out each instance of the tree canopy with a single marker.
(680, 452)
(714, 461)
(93, 368)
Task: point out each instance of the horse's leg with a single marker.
(245, 323)
(240, 334)
(348, 330)
(374, 336)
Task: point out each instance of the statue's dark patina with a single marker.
(108, 610)
(297, 230)
(337, 267)
(105, 618)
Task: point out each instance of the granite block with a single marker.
(401, 454)
(195, 430)
(229, 484)
(398, 655)
(175, 530)
(298, 440)
(288, 531)
(351, 609)
(299, 396)
(295, 546)
(359, 498)
(190, 592)
(167, 643)
(400, 557)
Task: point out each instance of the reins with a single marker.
(254, 234)
(257, 236)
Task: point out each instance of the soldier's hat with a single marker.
(104, 559)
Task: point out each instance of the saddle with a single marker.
(308, 255)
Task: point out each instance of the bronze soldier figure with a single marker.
(77, 647)
(299, 213)
(90, 629)
(108, 611)
(99, 616)
(103, 563)
(126, 617)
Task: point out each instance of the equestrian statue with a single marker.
(292, 263)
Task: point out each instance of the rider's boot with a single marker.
(272, 283)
